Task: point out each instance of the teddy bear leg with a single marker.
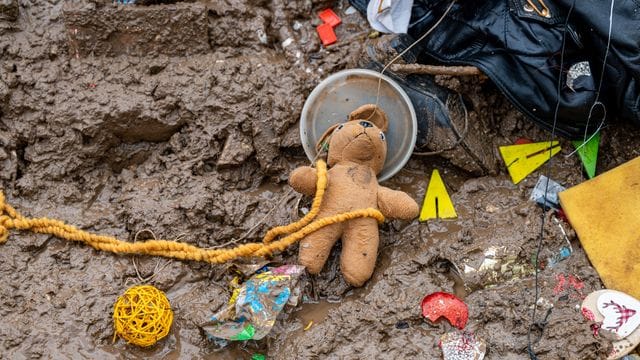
(359, 250)
(316, 247)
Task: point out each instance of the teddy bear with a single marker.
(356, 152)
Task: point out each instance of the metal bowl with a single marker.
(341, 93)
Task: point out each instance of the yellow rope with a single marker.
(11, 219)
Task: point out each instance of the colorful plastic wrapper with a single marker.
(462, 345)
(254, 307)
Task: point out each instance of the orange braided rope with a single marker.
(11, 219)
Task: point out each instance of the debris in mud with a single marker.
(604, 213)
(389, 16)
(462, 345)
(614, 316)
(545, 193)
(568, 287)
(441, 304)
(523, 159)
(252, 310)
(588, 152)
(437, 204)
(325, 30)
(499, 265)
(329, 17)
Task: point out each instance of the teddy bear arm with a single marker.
(303, 180)
(396, 204)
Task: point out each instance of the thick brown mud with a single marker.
(117, 128)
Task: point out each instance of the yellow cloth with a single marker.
(605, 212)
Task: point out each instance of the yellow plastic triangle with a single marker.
(437, 203)
(522, 160)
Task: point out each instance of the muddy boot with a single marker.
(444, 127)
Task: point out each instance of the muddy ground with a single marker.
(112, 119)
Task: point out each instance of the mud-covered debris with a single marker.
(325, 31)
(254, 307)
(458, 345)
(545, 193)
(441, 304)
(236, 150)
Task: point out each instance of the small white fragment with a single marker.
(287, 42)
(350, 10)
(297, 25)
(262, 36)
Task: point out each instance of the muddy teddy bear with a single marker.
(356, 153)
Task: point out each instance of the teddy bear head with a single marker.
(361, 139)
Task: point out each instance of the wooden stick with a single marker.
(436, 70)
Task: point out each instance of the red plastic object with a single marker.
(560, 214)
(327, 36)
(329, 17)
(521, 141)
(442, 304)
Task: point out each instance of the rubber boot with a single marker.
(444, 127)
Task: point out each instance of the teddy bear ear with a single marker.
(371, 113)
(323, 142)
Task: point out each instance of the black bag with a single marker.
(519, 46)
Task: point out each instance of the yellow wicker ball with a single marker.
(142, 315)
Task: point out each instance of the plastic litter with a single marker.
(589, 153)
(437, 203)
(604, 213)
(523, 159)
(618, 323)
(329, 17)
(499, 265)
(442, 304)
(254, 307)
(552, 190)
(569, 286)
(463, 345)
(325, 31)
(389, 16)
(327, 35)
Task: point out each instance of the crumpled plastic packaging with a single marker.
(551, 188)
(462, 345)
(254, 307)
(389, 16)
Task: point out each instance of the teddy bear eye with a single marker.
(340, 127)
(366, 124)
(382, 136)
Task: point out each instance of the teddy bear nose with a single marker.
(366, 124)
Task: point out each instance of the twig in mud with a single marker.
(294, 210)
(286, 197)
(436, 70)
(156, 269)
